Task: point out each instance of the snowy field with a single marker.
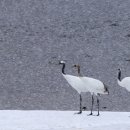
(62, 120)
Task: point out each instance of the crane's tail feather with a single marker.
(106, 89)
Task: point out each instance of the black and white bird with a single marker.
(125, 82)
(94, 86)
(75, 82)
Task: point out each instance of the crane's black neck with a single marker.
(119, 75)
(63, 68)
(79, 71)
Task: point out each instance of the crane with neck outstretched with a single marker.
(74, 82)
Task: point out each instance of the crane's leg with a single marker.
(92, 106)
(80, 111)
(98, 106)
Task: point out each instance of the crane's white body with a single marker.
(125, 83)
(85, 84)
(93, 85)
(76, 83)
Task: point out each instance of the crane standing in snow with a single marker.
(75, 82)
(94, 86)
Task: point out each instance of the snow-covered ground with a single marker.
(62, 120)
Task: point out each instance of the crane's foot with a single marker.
(90, 114)
(98, 114)
(80, 112)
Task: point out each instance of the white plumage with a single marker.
(125, 82)
(94, 86)
(75, 82)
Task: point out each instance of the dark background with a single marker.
(36, 33)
